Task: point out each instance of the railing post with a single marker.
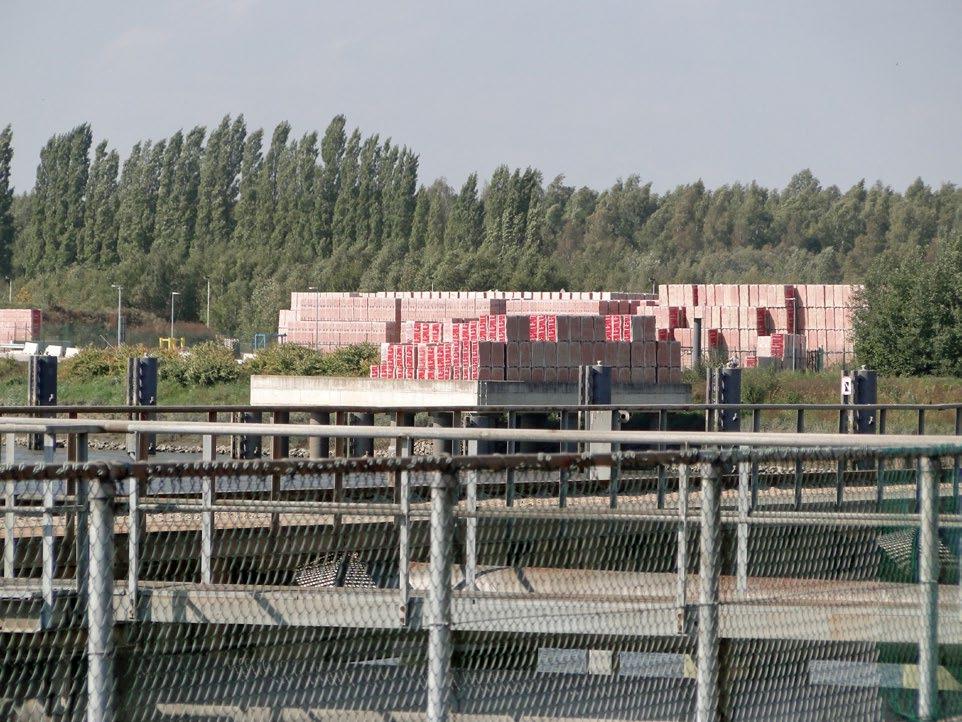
(799, 429)
(81, 494)
(404, 543)
(318, 447)
(340, 451)
(744, 506)
(681, 592)
(475, 447)
(9, 516)
(404, 448)
(662, 470)
(439, 598)
(880, 462)
(49, 555)
(756, 428)
(929, 588)
(137, 447)
(280, 449)
(956, 463)
(510, 447)
(569, 422)
(100, 601)
(207, 523)
(706, 705)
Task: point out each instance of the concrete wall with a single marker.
(381, 393)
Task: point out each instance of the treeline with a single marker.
(261, 216)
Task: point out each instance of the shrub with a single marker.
(286, 359)
(210, 363)
(350, 361)
(760, 385)
(11, 370)
(89, 364)
(291, 359)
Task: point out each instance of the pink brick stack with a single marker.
(760, 323)
(531, 347)
(533, 335)
(19, 324)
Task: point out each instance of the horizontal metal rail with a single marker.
(483, 409)
(906, 443)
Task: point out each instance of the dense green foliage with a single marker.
(909, 320)
(262, 216)
(290, 359)
(210, 364)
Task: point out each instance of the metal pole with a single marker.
(707, 692)
(404, 447)
(100, 607)
(318, 447)
(208, 303)
(9, 518)
(82, 543)
(929, 589)
(49, 550)
(682, 562)
(439, 598)
(173, 295)
(317, 304)
(404, 542)
(744, 504)
(119, 311)
(207, 517)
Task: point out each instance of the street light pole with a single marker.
(119, 308)
(317, 296)
(172, 295)
(207, 278)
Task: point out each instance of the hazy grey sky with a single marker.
(674, 90)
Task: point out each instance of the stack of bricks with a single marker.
(19, 324)
(534, 347)
(825, 320)
(328, 321)
(741, 320)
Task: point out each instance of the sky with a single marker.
(674, 91)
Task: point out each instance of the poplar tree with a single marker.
(245, 211)
(99, 246)
(6, 200)
(328, 182)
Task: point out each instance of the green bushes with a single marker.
(91, 363)
(11, 370)
(210, 364)
(296, 360)
(286, 358)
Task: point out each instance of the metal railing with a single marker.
(424, 584)
(885, 418)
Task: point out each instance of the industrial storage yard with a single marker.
(545, 336)
(481, 362)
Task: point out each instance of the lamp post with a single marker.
(317, 297)
(119, 308)
(172, 295)
(207, 278)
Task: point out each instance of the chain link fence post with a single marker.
(439, 597)
(744, 508)
(929, 588)
(706, 705)
(100, 601)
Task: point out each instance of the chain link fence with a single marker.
(796, 584)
